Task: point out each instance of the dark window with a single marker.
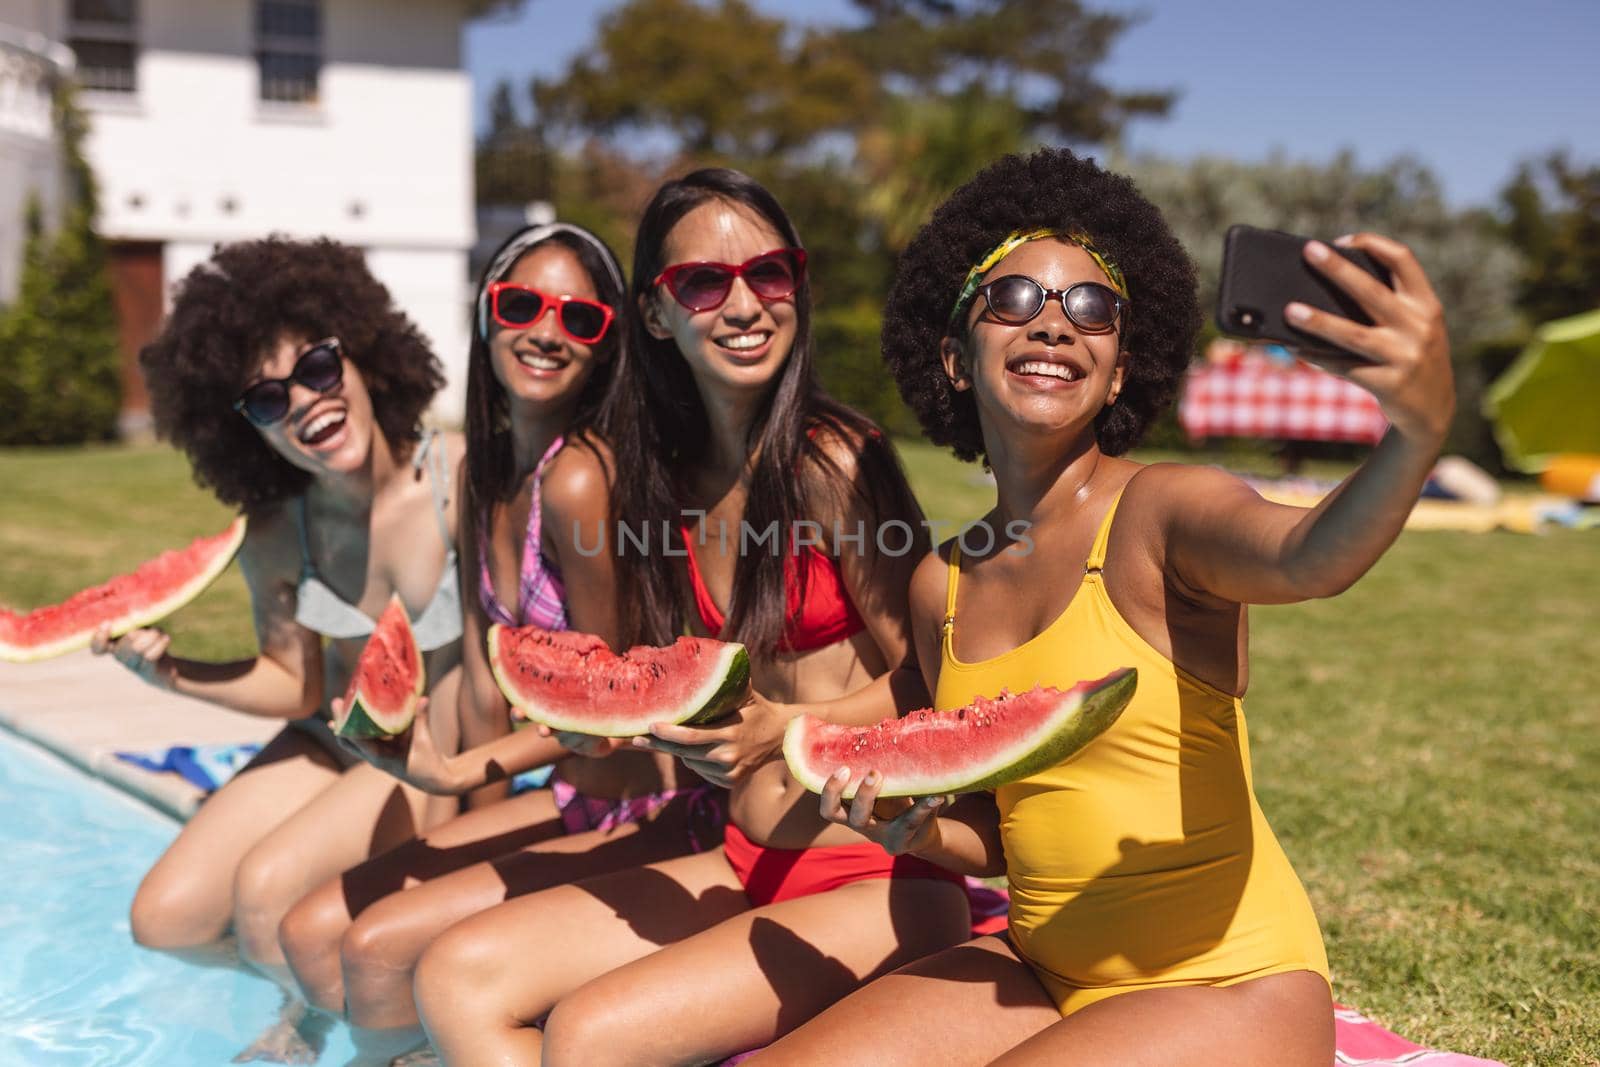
(289, 49)
(103, 34)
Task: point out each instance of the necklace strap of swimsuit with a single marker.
(306, 566)
(533, 538)
(954, 571)
(1097, 555)
(438, 480)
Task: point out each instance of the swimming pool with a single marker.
(75, 991)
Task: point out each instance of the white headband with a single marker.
(513, 250)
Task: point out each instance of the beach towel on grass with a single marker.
(1358, 1042)
(205, 766)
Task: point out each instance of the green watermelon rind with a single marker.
(363, 720)
(727, 683)
(1062, 734)
(146, 616)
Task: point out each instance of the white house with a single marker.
(30, 173)
(222, 120)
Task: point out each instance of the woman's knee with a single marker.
(377, 950)
(265, 887)
(583, 1022)
(171, 911)
(309, 936)
(462, 967)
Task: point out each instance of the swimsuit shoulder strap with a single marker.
(1097, 555)
(953, 572)
(438, 481)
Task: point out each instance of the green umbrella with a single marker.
(1548, 402)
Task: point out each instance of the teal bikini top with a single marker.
(323, 611)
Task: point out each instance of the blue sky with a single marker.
(1469, 87)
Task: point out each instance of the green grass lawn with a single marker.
(1427, 746)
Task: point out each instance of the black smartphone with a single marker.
(1262, 270)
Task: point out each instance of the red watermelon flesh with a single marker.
(154, 590)
(988, 743)
(387, 683)
(573, 682)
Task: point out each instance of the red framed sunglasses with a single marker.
(701, 286)
(516, 307)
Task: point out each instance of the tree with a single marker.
(1553, 217)
(1039, 55)
(59, 366)
(1472, 267)
(717, 80)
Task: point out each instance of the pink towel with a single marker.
(1360, 1042)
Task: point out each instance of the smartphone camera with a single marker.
(1243, 319)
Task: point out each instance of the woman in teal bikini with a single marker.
(538, 474)
(297, 388)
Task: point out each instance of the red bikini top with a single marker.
(825, 617)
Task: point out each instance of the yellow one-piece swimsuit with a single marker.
(1143, 861)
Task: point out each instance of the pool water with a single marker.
(75, 991)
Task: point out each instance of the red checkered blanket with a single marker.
(1257, 398)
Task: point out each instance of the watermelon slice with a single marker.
(387, 683)
(986, 744)
(154, 590)
(571, 681)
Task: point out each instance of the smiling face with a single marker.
(324, 433)
(743, 343)
(541, 365)
(1046, 374)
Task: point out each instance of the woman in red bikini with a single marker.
(728, 435)
(537, 471)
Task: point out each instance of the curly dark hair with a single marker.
(1056, 189)
(226, 316)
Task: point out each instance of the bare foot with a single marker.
(422, 1057)
(295, 1038)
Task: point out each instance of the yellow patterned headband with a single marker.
(1021, 237)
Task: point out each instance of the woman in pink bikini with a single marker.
(537, 474)
(727, 438)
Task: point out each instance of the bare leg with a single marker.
(1285, 1020)
(312, 930)
(185, 903)
(361, 814)
(761, 974)
(381, 949)
(959, 1008)
(482, 983)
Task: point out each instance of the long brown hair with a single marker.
(660, 433)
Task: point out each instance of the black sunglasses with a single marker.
(1016, 299)
(319, 368)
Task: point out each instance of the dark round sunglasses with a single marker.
(1016, 299)
(702, 286)
(320, 368)
(516, 307)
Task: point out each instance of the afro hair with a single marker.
(228, 313)
(1055, 189)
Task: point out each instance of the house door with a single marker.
(136, 289)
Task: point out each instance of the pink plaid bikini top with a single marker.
(541, 598)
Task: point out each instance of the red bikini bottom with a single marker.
(769, 875)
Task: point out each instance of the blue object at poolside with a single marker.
(208, 767)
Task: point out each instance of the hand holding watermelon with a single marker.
(413, 757)
(730, 748)
(143, 651)
(898, 824)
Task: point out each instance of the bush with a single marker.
(59, 365)
(845, 340)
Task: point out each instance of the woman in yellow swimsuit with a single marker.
(1040, 321)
